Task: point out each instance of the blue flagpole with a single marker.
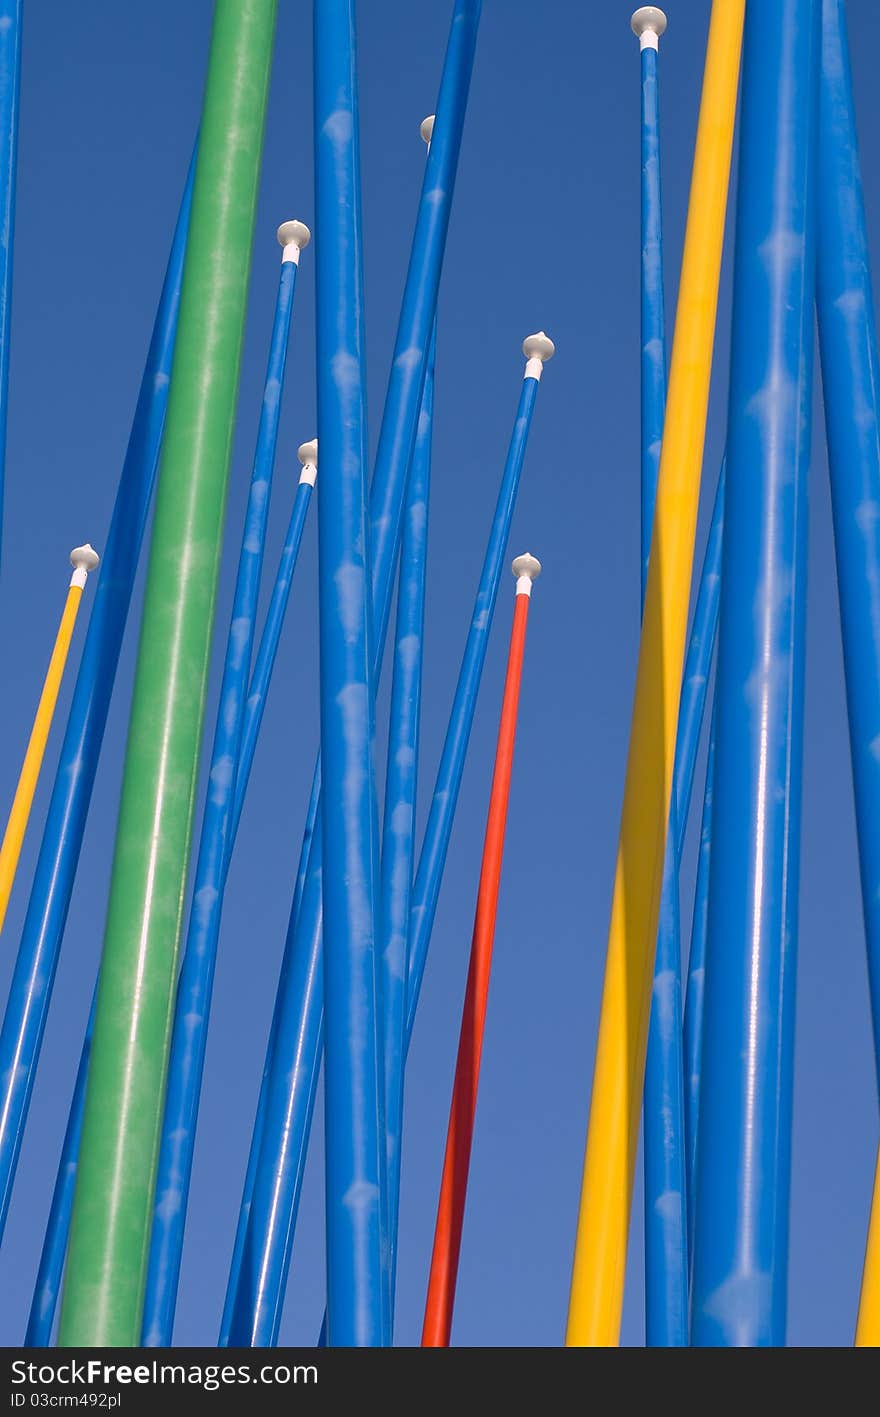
(267, 650)
(648, 24)
(441, 815)
(398, 836)
(353, 1085)
(195, 984)
(744, 1130)
(31, 989)
(10, 85)
(848, 348)
(665, 1258)
(256, 1290)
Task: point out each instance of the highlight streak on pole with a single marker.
(609, 1163)
(10, 83)
(83, 559)
(355, 1169)
(694, 998)
(848, 346)
(744, 1137)
(189, 1033)
(440, 1300)
(665, 1243)
(31, 990)
(48, 1285)
(281, 1131)
(698, 663)
(398, 837)
(103, 1293)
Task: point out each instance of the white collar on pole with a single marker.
(83, 559)
(526, 568)
(308, 456)
(537, 350)
(293, 236)
(647, 24)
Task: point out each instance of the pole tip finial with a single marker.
(539, 346)
(293, 237)
(84, 558)
(308, 456)
(526, 565)
(647, 24)
(526, 568)
(426, 128)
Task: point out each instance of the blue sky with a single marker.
(545, 233)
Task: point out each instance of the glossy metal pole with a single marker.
(83, 559)
(665, 1254)
(744, 1134)
(398, 836)
(10, 83)
(848, 346)
(648, 24)
(440, 1300)
(106, 1267)
(441, 815)
(353, 1125)
(850, 381)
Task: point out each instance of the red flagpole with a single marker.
(459, 1136)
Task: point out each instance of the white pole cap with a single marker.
(308, 456)
(293, 236)
(426, 128)
(83, 559)
(537, 350)
(526, 568)
(647, 24)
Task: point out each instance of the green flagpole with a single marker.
(110, 1230)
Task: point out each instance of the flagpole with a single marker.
(83, 559)
(440, 1300)
(106, 1266)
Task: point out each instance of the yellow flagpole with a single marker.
(612, 1137)
(868, 1327)
(83, 559)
